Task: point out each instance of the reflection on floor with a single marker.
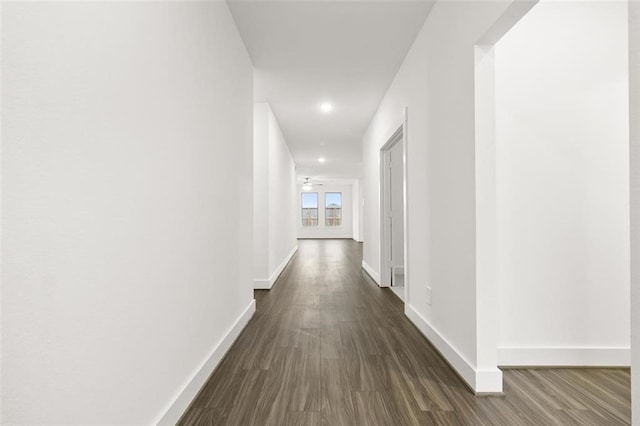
(398, 285)
(327, 346)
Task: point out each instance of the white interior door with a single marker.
(396, 201)
(392, 211)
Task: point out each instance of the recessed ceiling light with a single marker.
(321, 160)
(326, 107)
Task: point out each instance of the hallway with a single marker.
(327, 346)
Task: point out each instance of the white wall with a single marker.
(562, 186)
(322, 231)
(274, 199)
(126, 206)
(356, 195)
(634, 112)
(436, 83)
(261, 120)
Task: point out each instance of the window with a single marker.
(309, 209)
(333, 208)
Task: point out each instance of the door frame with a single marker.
(398, 136)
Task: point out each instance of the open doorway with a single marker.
(392, 209)
(552, 207)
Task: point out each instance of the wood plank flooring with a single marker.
(328, 347)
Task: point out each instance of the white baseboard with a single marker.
(369, 270)
(266, 284)
(183, 399)
(480, 381)
(564, 357)
(280, 268)
(262, 284)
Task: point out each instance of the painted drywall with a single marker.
(1, 221)
(634, 113)
(261, 271)
(282, 198)
(126, 194)
(436, 84)
(322, 231)
(275, 196)
(561, 81)
(356, 201)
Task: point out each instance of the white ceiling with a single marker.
(343, 52)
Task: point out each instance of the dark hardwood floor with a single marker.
(327, 346)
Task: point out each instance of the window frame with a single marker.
(303, 209)
(340, 210)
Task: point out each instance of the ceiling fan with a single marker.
(307, 185)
